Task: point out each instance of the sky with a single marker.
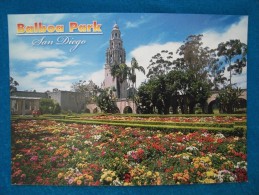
(45, 67)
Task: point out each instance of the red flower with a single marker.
(241, 175)
(127, 177)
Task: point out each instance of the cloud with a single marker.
(237, 30)
(97, 77)
(65, 78)
(61, 85)
(58, 64)
(136, 23)
(45, 72)
(22, 51)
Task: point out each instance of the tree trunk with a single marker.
(174, 105)
(118, 88)
(191, 107)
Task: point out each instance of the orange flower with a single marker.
(78, 182)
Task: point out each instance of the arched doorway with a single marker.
(116, 110)
(95, 110)
(87, 110)
(127, 110)
(213, 107)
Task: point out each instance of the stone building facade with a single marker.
(23, 102)
(68, 100)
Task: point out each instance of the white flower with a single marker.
(205, 134)
(186, 157)
(88, 142)
(97, 137)
(231, 179)
(130, 152)
(219, 135)
(117, 182)
(192, 148)
(241, 164)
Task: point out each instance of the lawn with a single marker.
(49, 152)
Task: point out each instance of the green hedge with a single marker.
(179, 115)
(196, 124)
(240, 123)
(239, 131)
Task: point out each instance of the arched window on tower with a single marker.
(115, 34)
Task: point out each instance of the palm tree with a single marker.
(132, 74)
(120, 72)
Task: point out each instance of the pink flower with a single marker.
(74, 148)
(70, 181)
(53, 158)
(23, 176)
(34, 158)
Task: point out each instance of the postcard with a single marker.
(128, 99)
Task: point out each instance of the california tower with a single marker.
(115, 55)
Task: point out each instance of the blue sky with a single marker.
(46, 67)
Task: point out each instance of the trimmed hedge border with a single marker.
(196, 124)
(235, 131)
(168, 115)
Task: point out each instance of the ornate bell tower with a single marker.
(115, 54)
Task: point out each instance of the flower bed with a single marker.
(54, 153)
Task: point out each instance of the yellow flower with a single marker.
(207, 180)
(196, 166)
(80, 177)
(109, 179)
(149, 173)
(113, 174)
(60, 175)
(127, 184)
(210, 173)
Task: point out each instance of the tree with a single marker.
(120, 72)
(177, 82)
(90, 89)
(195, 61)
(46, 106)
(228, 99)
(56, 109)
(144, 99)
(132, 75)
(160, 64)
(13, 84)
(106, 101)
(233, 53)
